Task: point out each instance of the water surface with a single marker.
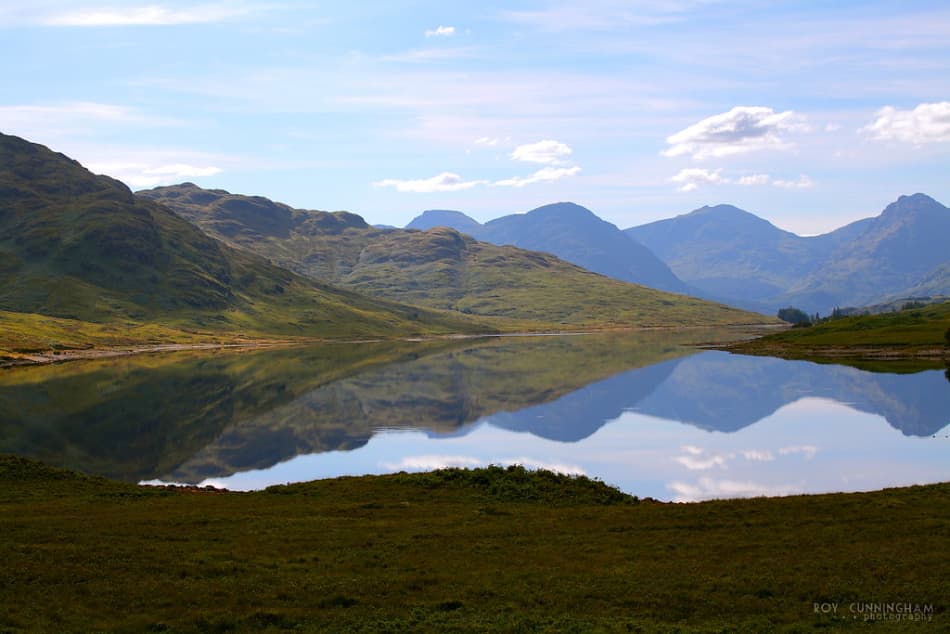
(643, 411)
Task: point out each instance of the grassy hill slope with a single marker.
(439, 268)
(78, 246)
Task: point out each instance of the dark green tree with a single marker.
(794, 316)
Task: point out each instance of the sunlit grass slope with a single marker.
(78, 246)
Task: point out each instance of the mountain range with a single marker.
(440, 267)
(78, 246)
(725, 254)
(732, 254)
(188, 416)
(572, 233)
(85, 262)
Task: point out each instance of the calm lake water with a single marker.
(645, 412)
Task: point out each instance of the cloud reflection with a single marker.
(707, 488)
(432, 462)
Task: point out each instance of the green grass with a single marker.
(912, 332)
(486, 550)
(25, 334)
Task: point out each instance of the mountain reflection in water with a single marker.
(191, 417)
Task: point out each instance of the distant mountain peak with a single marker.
(913, 203)
(723, 210)
(566, 210)
(444, 218)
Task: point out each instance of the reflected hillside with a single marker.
(138, 417)
(723, 392)
(189, 416)
(145, 416)
(439, 392)
(717, 391)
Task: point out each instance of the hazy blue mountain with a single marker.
(735, 256)
(889, 253)
(570, 232)
(934, 284)
(446, 218)
(727, 252)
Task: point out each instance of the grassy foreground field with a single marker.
(495, 549)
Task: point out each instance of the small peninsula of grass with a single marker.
(916, 333)
(483, 550)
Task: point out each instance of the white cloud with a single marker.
(695, 463)
(444, 182)
(691, 178)
(487, 141)
(604, 15)
(549, 151)
(85, 109)
(139, 175)
(742, 129)
(51, 123)
(183, 170)
(150, 15)
(441, 31)
(758, 455)
(754, 179)
(927, 123)
(543, 175)
(803, 182)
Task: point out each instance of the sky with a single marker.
(808, 114)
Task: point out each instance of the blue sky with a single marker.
(810, 114)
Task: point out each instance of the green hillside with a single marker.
(439, 268)
(81, 247)
(912, 332)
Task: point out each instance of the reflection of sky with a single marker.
(810, 446)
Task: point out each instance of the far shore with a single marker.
(80, 354)
(838, 352)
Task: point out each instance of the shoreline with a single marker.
(65, 356)
(833, 352)
(31, 359)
